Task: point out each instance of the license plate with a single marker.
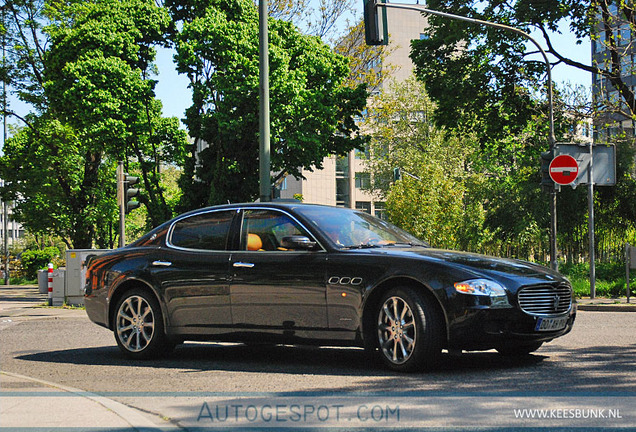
(551, 324)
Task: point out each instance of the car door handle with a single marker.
(161, 263)
(243, 265)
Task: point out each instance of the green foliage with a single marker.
(98, 107)
(483, 81)
(36, 259)
(437, 206)
(312, 110)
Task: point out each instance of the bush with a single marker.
(610, 279)
(36, 259)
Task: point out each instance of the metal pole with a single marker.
(264, 145)
(551, 137)
(121, 202)
(5, 206)
(628, 264)
(590, 205)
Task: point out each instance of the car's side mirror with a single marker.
(298, 242)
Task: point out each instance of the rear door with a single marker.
(193, 272)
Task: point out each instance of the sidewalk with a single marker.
(32, 404)
(601, 304)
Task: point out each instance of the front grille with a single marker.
(545, 299)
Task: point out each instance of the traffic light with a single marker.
(130, 192)
(547, 184)
(375, 23)
(397, 174)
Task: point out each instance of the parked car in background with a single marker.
(295, 273)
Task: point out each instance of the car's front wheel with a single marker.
(138, 326)
(409, 330)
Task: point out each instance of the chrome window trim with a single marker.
(242, 211)
(292, 217)
(176, 221)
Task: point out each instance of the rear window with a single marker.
(207, 231)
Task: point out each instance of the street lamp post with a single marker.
(551, 137)
(264, 145)
(5, 207)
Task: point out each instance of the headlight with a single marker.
(484, 287)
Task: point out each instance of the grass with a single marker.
(610, 279)
(63, 306)
(22, 281)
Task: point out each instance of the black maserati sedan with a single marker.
(292, 273)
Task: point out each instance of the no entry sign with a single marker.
(564, 169)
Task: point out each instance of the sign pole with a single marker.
(121, 202)
(590, 205)
(628, 264)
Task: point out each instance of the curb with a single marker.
(606, 308)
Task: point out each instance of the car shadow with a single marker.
(197, 357)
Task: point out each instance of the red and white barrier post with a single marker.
(50, 284)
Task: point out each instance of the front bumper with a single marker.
(482, 328)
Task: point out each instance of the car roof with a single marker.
(279, 204)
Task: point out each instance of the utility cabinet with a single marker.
(76, 273)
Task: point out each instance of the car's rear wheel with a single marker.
(138, 326)
(409, 330)
(520, 349)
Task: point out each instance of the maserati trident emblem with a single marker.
(555, 305)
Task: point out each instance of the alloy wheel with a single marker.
(397, 330)
(135, 323)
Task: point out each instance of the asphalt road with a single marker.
(208, 385)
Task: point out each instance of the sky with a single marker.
(172, 88)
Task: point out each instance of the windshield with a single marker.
(354, 229)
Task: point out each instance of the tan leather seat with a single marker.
(254, 242)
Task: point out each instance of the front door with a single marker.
(274, 289)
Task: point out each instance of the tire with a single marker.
(408, 331)
(519, 350)
(138, 326)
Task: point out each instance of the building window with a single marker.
(380, 210)
(600, 43)
(624, 35)
(363, 180)
(365, 206)
(626, 65)
(342, 192)
(362, 154)
(342, 166)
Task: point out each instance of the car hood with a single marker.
(509, 271)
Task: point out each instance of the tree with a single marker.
(478, 76)
(312, 111)
(97, 107)
(435, 198)
(501, 58)
(367, 64)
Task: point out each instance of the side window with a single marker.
(264, 230)
(207, 231)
